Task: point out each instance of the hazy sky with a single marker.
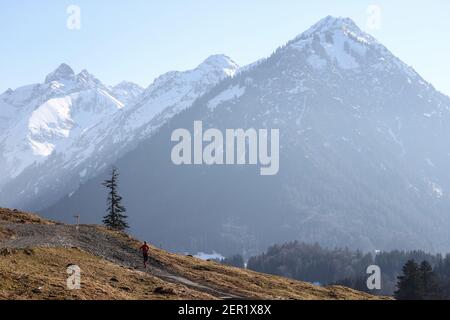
(138, 40)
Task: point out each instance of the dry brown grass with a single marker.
(40, 274)
(15, 216)
(6, 233)
(245, 282)
(252, 284)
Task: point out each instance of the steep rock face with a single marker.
(70, 135)
(363, 156)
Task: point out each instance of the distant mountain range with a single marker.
(364, 149)
(60, 133)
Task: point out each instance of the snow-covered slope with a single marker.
(364, 156)
(166, 96)
(127, 92)
(43, 118)
(73, 125)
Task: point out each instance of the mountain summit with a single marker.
(340, 43)
(334, 23)
(63, 72)
(220, 62)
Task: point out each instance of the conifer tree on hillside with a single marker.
(409, 283)
(115, 218)
(418, 283)
(430, 282)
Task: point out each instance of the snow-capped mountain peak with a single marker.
(127, 92)
(335, 40)
(87, 79)
(8, 91)
(215, 67)
(173, 92)
(127, 85)
(63, 72)
(39, 119)
(209, 72)
(219, 62)
(333, 23)
(339, 43)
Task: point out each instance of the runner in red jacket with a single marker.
(145, 248)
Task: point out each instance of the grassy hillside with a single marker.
(35, 253)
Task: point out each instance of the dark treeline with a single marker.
(313, 263)
(234, 261)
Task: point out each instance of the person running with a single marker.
(145, 248)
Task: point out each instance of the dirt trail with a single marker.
(102, 244)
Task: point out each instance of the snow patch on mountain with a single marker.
(51, 119)
(340, 42)
(39, 119)
(172, 93)
(127, 92)
(231, 93)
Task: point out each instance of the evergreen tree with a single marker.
(116, 218)
(409, 285)
(430, 282)
(312, 263)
